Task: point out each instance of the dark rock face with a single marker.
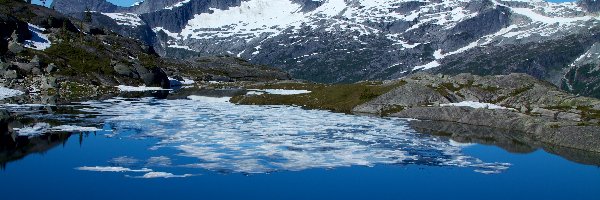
(590, 5)
(13, 31)
(76, 6)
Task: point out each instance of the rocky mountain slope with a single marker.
(42, 50)
(352, 40)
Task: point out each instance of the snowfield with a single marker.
(7, 92)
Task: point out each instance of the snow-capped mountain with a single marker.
(351, 40)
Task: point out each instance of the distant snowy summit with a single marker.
(352, 40)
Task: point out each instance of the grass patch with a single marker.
(588, 113)
(338, 98)
(79, 59)
(391, 110)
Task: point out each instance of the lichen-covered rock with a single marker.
(530, 106)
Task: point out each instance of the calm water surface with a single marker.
(206, 148)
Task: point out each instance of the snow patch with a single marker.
(126, 19)
(126, 88)
(474, 104)
(7, 92)
(175, 82)
(178, 4)
(432, 64)
(39, 40)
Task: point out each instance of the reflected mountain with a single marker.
(231, 138)
(14, 147)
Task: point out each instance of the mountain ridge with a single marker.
(353, 40)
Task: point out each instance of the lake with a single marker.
(203, 147)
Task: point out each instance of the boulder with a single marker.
(4, 66)
(35, 62)
(11, 74)
(124, 70)
(51, 68)
(24, 67)
(155, 77)
(15, 47)
(49, 82)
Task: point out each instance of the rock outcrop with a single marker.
(524, 104)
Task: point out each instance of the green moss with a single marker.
(490, 89)
(588, 113)
(391, 110)
(80, 60)
(338, 98)
(73, 90)
(559, 107)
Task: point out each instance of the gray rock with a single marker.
(24, 67)
(3, 67)
(123, 69)
(36, 71)
(15, 47)
(49, 82)
(408, 95)
(568, 116)
(51, 68)
(35, 62)
(542, 111)
(11, 74)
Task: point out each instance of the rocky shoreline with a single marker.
(515, 102)
(525, 104)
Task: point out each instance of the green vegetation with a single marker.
(80, 58)
(391, 110)
(446, 89)
(338, 98)
(514, 93)
(73, 90)
(588, 113)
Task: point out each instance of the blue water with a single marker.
(278, 155)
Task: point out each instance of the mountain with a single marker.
(43, 51)
(353, 40)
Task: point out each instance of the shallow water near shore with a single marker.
(207, 148)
